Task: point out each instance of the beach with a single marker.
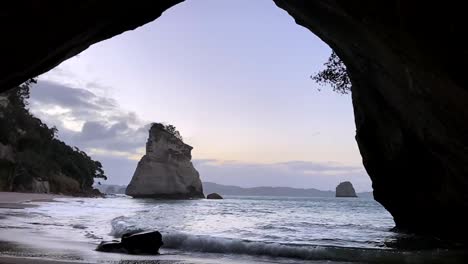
(43, 228)
(16, 200)
(18, 246)
(29, 236)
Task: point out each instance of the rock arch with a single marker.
(406, 60)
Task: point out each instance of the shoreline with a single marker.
(18, 200)
(41, 228)
(30, 260)
(20, 245)
(23, 252)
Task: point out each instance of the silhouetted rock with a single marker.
(6, 153)
(409, 90)
(113, 246)
(40, 186)
(345, 189)
(147, 243)
(166, 171)
(7, 166)
(214, 196)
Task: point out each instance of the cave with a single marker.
(406, 61)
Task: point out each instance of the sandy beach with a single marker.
(49, 229)
(24, 238)
(19, 260)
(18, 243)
(14, 200)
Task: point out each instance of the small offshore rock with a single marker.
(345, 189)
(214, 196)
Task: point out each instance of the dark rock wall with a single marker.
(410, 102)
(38, 35)
(406, 59)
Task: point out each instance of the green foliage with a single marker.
(173, 131)
(334, 74)
(170, 129)
(38, 152)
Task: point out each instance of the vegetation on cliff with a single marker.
(334, 74)
(38, 156)
(170, 129)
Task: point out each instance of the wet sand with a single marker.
(14, 200)
(19, 246)
(19, 260)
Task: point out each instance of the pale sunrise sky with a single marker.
(233, 80)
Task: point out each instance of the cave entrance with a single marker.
(409, 96)
(237, 89)
(217, 77)
(239, 92)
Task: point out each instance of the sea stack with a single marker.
(345, 189)
(166, 170)
(214, 196)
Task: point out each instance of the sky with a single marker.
(236, 83)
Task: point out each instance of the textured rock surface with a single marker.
(410, 99)
(143, 243)
(59, 31)
(407, 67)
(214, 196)
(6, 153)
(40, 186)
(345, 189)
(7, 167)
(166, 171)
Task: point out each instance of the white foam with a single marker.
(211, 244)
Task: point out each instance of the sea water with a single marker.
(263, 229)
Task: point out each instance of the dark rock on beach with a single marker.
(146, 243)
(214, 196)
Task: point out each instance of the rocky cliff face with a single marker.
(166, 171)
(410, 102)
(7, 166)
(6, 153)
(345, 189)
(406, 59)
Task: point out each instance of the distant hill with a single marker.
(366, 195)
(211, 187)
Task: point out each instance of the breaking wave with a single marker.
(212, 244)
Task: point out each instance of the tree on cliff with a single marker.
(169, 129)
(334, 74)
(39, 154)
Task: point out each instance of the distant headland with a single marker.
(211, 187)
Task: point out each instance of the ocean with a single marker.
(233, 230)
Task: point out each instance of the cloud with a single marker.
(81, 100)
(91, 122)
(302, 167)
